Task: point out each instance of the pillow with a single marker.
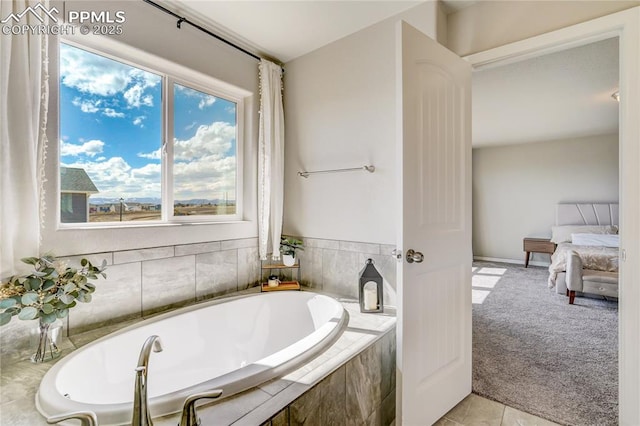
(562, 234)
(600, 240)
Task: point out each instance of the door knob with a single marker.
(414, 256)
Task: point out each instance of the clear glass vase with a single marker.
(45, 341)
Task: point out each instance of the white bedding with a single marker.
(605, 240)
(598, 258)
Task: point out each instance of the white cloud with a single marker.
(90, 148)
(110, 112)
(87, 105)
(206, 101)
(154, 155)
(91, 73)
(210, 140)
(135, 96)
(138, 121)
(190, 126)
(115, 178)
(205, 165)
(149, 171)
(146, 78)
(96, 75)
(208, 178)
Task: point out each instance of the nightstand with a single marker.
(537, 245)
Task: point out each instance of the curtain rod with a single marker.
(182, 19)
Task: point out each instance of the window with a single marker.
(204, 153)
(114, 119)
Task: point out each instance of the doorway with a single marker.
(545, 132)
(624, 25)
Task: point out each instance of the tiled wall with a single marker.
(361, 392)
(335, 266)
(145, 281)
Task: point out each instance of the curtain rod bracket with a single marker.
(182, 19)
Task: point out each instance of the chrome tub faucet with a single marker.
(141, 416)
(87, 418)
(189, 416)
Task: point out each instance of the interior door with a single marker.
(434, 276)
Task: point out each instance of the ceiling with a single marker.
(557, 96)
(561, 95)
(285, 30)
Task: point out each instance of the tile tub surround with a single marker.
(335, 266)
(145, 281)
(355, 375)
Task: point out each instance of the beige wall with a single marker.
(340, 108)
(489, 24)
(516, 188)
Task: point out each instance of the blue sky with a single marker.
(111, 125)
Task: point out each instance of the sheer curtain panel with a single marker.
(270, 160)
(24, 98)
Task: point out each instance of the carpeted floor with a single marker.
(535, 352)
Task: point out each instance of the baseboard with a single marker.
(514, 261)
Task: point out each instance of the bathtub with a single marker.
(230, 344)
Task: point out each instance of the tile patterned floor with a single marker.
(477, 411)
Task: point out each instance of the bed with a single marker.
(593, 257)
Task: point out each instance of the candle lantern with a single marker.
(371, 287)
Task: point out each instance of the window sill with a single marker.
(129, 225)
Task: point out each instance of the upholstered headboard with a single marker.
(587, 214)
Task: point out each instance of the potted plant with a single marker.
(288, 247)
(47, 294)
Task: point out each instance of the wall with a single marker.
(492, 23)
(516, 188)
(340, 109)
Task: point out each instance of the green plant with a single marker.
(289, 245)
(49, 291)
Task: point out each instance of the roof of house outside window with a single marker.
(76, 180)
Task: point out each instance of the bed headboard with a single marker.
(587, 214)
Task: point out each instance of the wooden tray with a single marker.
(284, 285)
(280, 266)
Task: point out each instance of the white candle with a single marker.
(370, 298)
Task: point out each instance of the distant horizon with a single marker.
(151, 200)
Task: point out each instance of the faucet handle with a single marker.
(87, 418)
(189, 417)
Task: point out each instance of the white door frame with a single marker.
(625, 25)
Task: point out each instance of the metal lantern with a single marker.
(371, 286)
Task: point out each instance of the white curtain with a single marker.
(24, 97)
(270, 160)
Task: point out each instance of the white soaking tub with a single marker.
(230, 344)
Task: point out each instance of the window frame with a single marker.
(170, 73)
